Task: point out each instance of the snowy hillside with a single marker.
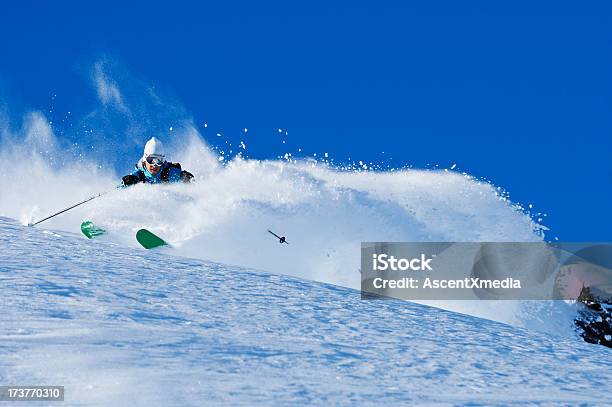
(325, 211)
(117, 325)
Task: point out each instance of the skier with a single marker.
(153, 167)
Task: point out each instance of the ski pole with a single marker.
(67, 209)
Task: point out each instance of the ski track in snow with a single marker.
(118, 325)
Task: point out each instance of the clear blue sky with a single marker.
(518, 93)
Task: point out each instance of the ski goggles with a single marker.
(157, 161)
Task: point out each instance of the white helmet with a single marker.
(155, 148)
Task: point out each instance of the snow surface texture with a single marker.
(120, 326)
(325, 213)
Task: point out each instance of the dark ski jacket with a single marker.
(170, 172)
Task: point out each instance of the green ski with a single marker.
(149, 240)
(90, 230)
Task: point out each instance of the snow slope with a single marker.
(117, 325)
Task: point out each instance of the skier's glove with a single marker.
(186, 176)
(130, 180)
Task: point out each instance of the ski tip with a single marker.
(149, 240)
(90, 230)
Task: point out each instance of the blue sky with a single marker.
(518, 94)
